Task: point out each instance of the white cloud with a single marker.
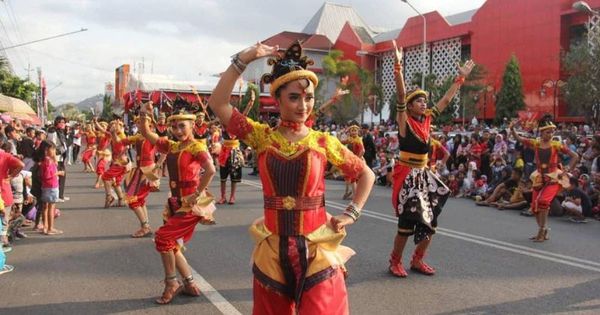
(181, 38)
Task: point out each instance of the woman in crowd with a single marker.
(90, 150)
(298, 262)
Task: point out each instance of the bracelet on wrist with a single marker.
(351, 216)
(459, 79)
(353, 211)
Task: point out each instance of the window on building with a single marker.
(465, 53)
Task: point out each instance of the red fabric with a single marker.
(115, 172)
(542, 198)
(118, 149)
(224, 155)
(421, 129)
(100, 166)
(86, 156)
(400, 172)
(188, 165)
(145, 157)
(200, 130)
(7, 163)
(476, 149)
(328, 297)
(103, 141)
(179, 226)
(140, 197)
(90, 138)
(239, 125)
(161, 128)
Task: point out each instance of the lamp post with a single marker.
(555, 85)
(424, 56)
(583, 6)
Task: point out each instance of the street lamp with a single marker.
(552, 84)
(424, 61)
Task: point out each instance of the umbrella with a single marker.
(14, 105)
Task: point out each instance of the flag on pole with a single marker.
(44, 97)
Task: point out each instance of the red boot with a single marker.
(417, 264)
(396, 267)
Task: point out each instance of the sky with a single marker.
(180, 38)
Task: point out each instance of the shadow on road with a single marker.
(560, 300)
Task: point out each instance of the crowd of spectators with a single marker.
(33, 174)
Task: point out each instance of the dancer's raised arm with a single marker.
(401, 115)
(144, 126)
(464, 71)
(219, 100)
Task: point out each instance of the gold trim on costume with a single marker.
(181, 117)
(412, 159)
(293, 76)
(415, 94)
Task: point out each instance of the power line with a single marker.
(45, 38)
(68, 60)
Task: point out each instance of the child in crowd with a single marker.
(49, 179)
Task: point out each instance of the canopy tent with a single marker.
(14, 105)
(12, 108)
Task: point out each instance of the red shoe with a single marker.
(417, 264)
(222, 201)
(396, 267)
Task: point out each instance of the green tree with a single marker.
(334, 66)
(471, 91)
(254, 112)
(107, 112)
(582, 88)
(510, 98)
(13, 86)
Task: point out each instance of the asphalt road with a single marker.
(485, 262)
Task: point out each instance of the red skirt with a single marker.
(179, 226)
(137, 189)
(100, 166)
(542, 198)
(327, 297)
(86, 156)
(115, 172)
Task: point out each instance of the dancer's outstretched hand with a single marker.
(466, 69)
(340, 221)
(257, 51)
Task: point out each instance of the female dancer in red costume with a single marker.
(90, 149)
(418, 195)
(142, 179)
(298, 260)
(354, 142)
(113, 176)
(189, 203)
(548, 174)
(102, 153)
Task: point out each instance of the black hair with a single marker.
(574, 181)
(28, 129)
(40, 153)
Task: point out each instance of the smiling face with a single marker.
(181, 129)
(296, 100)
(547, 134)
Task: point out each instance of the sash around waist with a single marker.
(294, 203)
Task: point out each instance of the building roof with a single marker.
(330, 20)
(461, 18)
(363, 34)
(309, 41)
(387, 36)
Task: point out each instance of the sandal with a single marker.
(6, 269)
(53, 232)
(417, 264)
(190, 287)
(396, 267)
(170, 291)
(108, 201)
(142, 232)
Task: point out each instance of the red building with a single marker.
(537, 32)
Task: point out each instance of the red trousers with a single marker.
(100, 166)
(87, 155)
(542, 198)
(179, 226)
(116, 172)
(328, 297)
(140, 196)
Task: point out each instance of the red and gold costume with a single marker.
(437, 152)
(230, 159)
(90, 147)
(418, 195)
(181, 213)
(118, 166)
(140, 181)
(298, 259)
(355, 145)
(545, 180)
(102, 152)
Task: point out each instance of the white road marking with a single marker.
(214, 296)
(514, 248)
